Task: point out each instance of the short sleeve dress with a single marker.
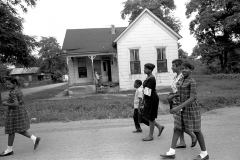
(17, 119)
(190, 118)
(151, 102)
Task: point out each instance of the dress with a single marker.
(17, 119)
(190, 118)
(151, 102)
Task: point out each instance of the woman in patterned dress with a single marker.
(151, 101)
(17, 120)
(174, 100)
(191, 116)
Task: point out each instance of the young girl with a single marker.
(17, 120)
(174, 100)
(191, 117)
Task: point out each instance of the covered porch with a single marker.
(81, 72)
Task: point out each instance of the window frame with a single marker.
(135, 61)
(163, 59)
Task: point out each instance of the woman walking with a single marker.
(151, 101)
(17, 120)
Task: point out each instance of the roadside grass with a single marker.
(212, 92)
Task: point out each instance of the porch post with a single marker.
(92, 58)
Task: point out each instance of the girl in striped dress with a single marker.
(17, 120)
(191, 116)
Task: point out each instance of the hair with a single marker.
(13, 80)
(139, 82)
(177, 62)
(188, 65)
(150, 66)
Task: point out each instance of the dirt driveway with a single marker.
(27, 91)
(113, 139)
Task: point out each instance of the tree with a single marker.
(52, 60)
(161, 8)
(15, 47)
(217, 29)
(181, 53)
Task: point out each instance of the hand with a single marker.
(139, 111)
(169, 98)
(175, 110)
(4, 103)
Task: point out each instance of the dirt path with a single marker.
(113, 139)
(27, 91)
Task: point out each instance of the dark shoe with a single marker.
(199, 158)
(137, 131)
(147, 139)
(194, 143)
(160, 131)
(8, 154)
(168, 156)
(37, 142)
(178, 146)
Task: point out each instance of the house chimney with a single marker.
(113, 29)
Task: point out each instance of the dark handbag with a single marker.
(140, 117)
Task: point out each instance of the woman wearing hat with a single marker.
(151, 101)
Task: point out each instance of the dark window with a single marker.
(82, 68)
(134, 61)
(161, 60)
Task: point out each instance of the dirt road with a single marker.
(27, 91)
(113, 139)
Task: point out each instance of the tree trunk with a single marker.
(221, 62)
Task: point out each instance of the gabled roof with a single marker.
(171, 31)
(24, 70)
(90, 40)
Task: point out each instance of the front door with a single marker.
(106, 71)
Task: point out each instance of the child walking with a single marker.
(17, 120)
(191, 116)
(137, 106)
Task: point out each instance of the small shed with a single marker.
(29, 74)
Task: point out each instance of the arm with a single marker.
(14, 104)
(181, 106)
(140, 105)
(191, 99)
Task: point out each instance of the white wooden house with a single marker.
(119, 54)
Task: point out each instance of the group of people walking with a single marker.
(182, 100)
(183, 106)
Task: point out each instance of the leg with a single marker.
(9, 150)
(193, 136)
(151, 128)
(135, 118)
(171, 152)
(176, 134)
(201, 141)
(11, 139)
(26, 134)
(35, 140)
(182, 143)
(160, 128)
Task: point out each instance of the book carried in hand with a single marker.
(147, 91)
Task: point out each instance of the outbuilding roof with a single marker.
(30, 70)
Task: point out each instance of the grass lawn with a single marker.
(213, 92)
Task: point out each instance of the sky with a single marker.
(51, 18)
